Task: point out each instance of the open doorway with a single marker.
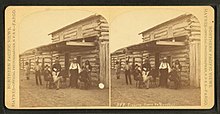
(79, 60)
(67, 62)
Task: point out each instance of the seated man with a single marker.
(56, 79)
(146, 77)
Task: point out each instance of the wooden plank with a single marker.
(170, 43)
(180, 25)
(161, 34)
(197, 64)
(95, 33)
(192, 65)
(72, 43)
(89, 25)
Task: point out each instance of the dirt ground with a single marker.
(129, 95)
(32, 95)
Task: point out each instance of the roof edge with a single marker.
(76, 22)
(166, 22)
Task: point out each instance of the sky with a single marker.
(124, 28)
(34, 29)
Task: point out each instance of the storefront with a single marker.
(86, 39)
(176, 39)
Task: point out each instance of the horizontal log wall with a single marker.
(49, 59)
(186, 29)
(179, 27)
(31, 59)
(118, 57)
(177, 53)
(93, 57)
(94, 27)
(181, 54)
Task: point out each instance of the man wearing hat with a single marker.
(37, 69)
(74, 73)
(127, 69)
(164, 70)
(56, 67)
(146, 65)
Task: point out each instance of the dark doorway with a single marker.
(42, 65)
(79, 60)
(169, 60)
(67, 62)
(157, 60)
(157, 63)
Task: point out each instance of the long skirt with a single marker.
(74, 75)
(163, 77)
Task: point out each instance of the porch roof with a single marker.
(155, 45)
(67, 46)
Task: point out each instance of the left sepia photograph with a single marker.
(63, 59)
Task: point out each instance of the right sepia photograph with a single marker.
(155, 59)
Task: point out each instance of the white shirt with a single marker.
(75, 66)
(164, 66)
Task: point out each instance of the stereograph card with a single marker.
(109, 57)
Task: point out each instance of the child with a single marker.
(137, 76)
(47, 76)
(27, 70)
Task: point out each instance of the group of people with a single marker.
(55, 76)
(144, 74)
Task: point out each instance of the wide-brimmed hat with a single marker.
(74, 59)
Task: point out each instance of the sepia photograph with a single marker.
(109, 57)
(63, 59)
(157, 61)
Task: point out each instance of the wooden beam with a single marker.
(170, 43)
(72, 43)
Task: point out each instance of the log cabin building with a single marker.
(86, 39)
(176, 39)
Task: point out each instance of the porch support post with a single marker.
(195, 58)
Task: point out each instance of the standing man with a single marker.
(74, 73)
(128, 72)
(27, 70)
(117, 69)
(37, 69)
(164, 70)
(146, 65)
(56, 67)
